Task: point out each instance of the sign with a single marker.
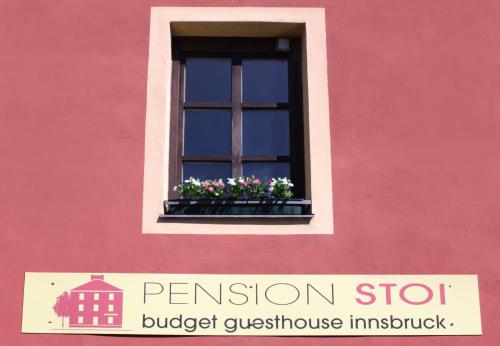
(194, 304)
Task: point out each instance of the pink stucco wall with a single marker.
(415, 114)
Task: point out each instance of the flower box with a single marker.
(238, 207)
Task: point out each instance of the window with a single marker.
(110, 319)
(111, 308)
(96, 296)
(306, 25)
(236, 109)
(80, 307)
(80, 319)
(81, 296)
(111, 296)
(96, 307)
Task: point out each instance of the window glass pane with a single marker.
(207, 132)
(266, 170)
(205, 171)
(266, 133)
(265, 80)
(208, 80)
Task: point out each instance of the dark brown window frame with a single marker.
(236, 49)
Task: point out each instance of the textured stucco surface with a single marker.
(415, 104)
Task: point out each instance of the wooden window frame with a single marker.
(236, 49)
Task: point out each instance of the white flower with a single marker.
(231, 181)
(291, 185)
(240, 180)
(175, 188)
(193, 181)
(271, 189)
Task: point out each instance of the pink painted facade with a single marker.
(96, 304)
(414, 96)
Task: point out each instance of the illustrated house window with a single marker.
(96, 296)
(80, 319)
(110, 308)
(81, 296)
(96, 307)
(80, 307)
(237, 110)
(111, 296)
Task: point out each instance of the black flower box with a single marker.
(264, 207)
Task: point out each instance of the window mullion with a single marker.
(237, 125)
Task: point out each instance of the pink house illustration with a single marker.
(96, 304)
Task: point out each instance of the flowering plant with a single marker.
(213, 188)
(240, 187)
(280, 188)
(190, 188)
(255, 188)
(236, 187)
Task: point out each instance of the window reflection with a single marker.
(265, 80)
(204, 171)
(266, 132)
(208, 80)
(267, 170)
(207, 132)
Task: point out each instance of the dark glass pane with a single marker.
(208, 80)
(266, 133)
(266, 170)
(207, 132)
(205, 171)
(265, 81)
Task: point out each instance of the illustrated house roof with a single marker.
(97, 284)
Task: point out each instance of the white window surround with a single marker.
(243, 22)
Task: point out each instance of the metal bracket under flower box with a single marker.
(237, 208)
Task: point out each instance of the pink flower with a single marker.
(257, 181)
(216, 183)
(211, 189)
(245, 183)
